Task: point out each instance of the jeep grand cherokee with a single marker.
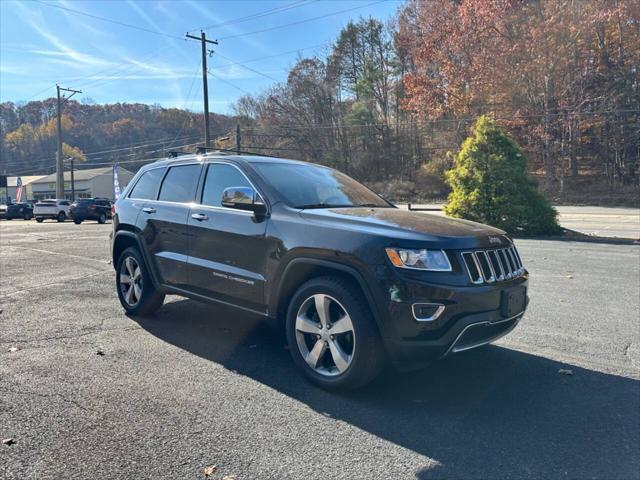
(352, 279)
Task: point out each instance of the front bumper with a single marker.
(472, 316)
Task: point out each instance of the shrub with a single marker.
(490, 184)
(430, 179)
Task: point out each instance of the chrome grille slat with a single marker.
(493, 265)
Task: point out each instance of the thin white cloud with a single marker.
(63, 49)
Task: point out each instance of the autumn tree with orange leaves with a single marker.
(559, 74)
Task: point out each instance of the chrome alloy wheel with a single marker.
(131, 281)
(324, 334)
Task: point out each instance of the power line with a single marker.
(104, 19)
(440, 121)
(253, 60)
(264, 13)
(249, 68)
(104, 164)
(301, 21)
(123, 147)
(184, 122)
(231, 84)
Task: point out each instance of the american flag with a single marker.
(18, 190)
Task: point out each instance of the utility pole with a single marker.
(73, 183)
(238, 139)
(204, 41)
(59, 160)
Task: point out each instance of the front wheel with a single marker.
(136, 291)
(27, 216)
(62, 217)
(102, 218)
(332, 336)
(39, 219)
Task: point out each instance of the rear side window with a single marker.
(219, 177)
(147, 186)
(180, 184)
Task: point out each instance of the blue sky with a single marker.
(43, 44)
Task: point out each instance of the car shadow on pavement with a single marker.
(487, 413)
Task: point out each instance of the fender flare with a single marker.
(375, 308)
(143, 251)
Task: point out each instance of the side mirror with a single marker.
(243, 198)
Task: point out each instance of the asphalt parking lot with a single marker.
(91, 393)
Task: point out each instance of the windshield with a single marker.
(314, 186)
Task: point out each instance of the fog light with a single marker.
(427, 312)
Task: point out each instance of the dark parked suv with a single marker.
(351, 278)
(98, 209)
(22, 210)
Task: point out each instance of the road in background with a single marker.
(92, 393)
(599, 221)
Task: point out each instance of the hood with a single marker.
(403, 224)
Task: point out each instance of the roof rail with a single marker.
(176, 153)
(223, 151)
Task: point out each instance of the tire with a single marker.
(359, 350)
(61, 217)
(27, 216)
(77, 222)
(145, 300)
(102, 218)
(39, 219)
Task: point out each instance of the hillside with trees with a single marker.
(98, 134)
(390, 104)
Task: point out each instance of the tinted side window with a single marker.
(147, 186)
(219, 177)
(180, 184)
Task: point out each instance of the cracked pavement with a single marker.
(200, 385)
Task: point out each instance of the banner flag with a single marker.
(116, 184)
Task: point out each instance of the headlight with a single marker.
(434, 260)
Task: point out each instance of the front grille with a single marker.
(495, 265)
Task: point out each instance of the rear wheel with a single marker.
(332, 336)
(39, 219)
(102, 218)
(136, 291)
(62, 217)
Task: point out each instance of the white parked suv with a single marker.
(54, 209)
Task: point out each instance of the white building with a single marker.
(93, 182)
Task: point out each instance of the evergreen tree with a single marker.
(490, 184)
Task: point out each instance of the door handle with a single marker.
(149, 210)
(201, 217)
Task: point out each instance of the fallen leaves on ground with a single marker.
(209, 470)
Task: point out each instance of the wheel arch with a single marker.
(300, 270)
(124, 239)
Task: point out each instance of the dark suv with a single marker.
(22, 210)
(98, 209)
(351, 278)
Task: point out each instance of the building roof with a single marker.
(80, 175)
(26, 180)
